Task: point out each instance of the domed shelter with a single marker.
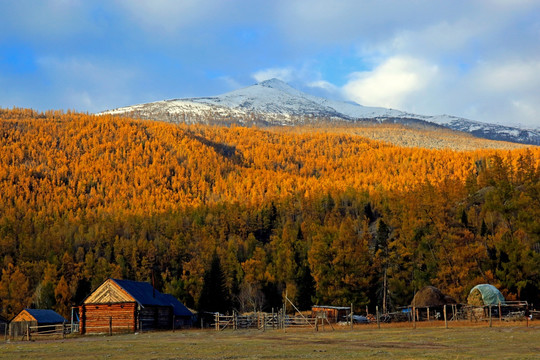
(485, 294)
(430, 296)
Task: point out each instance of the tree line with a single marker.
(249, 214)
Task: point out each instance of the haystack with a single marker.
(485, 294)
(430, 296)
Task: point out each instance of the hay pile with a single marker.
(430, 296)
(485, 294)
(475, 298)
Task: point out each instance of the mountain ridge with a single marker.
(274, 102)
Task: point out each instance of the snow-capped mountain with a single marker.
(275, 102)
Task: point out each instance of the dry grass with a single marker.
(429, 341)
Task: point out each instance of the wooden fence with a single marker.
(511, 311)
(28, 330)
(268, 321)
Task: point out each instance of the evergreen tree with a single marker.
(214, 295)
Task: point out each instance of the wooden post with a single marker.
(27, 331)
(264, 322)
(173, 322)
(284, 322)
(64, 330)
(413, 317)
(216, 320)
(377, 312)
(352, 319)
(490, 316)
(110, 325)
(428, 313)
(500, 312)
(445, 321)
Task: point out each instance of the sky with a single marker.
(478, 59)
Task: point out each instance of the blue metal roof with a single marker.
(45, 317)
(145, 294)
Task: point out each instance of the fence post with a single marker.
(110, 325)
(500, 313)
(27, 331)
(378, 320)
(414, 317)
(216, 319)
(352, 319)
(445, 321)
(489, 315)
(64, 330)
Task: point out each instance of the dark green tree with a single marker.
(214, 295)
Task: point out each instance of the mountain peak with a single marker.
(275, 84)
(276, 102)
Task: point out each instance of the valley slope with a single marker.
(318, 213)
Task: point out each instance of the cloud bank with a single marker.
(477, 59)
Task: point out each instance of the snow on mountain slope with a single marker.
(275, 102)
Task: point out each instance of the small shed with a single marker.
(129, 306)
(44, 318)
(485, 295)
(332, 313)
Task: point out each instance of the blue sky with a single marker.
(478, 59)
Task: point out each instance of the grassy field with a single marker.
(511, 341)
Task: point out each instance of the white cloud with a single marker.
(391, 83)
(285, 74)
(324, 85)
(516, 76)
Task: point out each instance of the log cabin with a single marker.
(130, 306)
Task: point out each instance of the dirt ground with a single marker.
(427, 341)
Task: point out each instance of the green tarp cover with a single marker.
(490, 294)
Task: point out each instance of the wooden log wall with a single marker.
(99, 318)
(156, 317)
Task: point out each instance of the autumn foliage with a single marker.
(327, 216)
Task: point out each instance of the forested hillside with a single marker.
(329, 217)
